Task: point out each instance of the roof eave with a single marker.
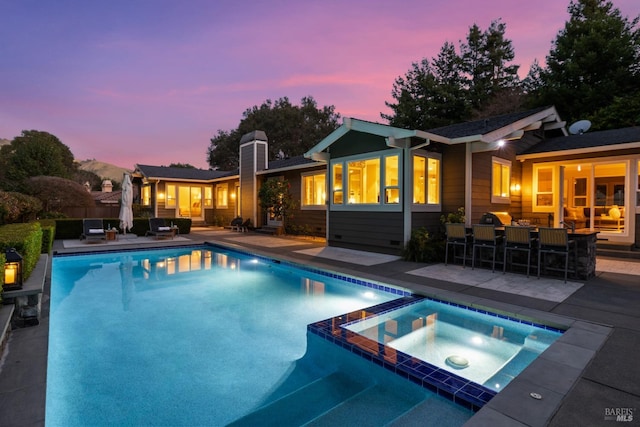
(586, 150)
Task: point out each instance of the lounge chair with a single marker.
(236, 224)
(244, 227)
(92, 230)
(158, 228)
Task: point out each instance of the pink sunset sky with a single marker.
(152, 81)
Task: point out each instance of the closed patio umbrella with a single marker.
(126, 213)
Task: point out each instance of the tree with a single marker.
(82, 176)
(182, 165)
(55, 193)
(452, 87)
(275, 198)
(430, 95)
(292, 130)
(594, 61)
(484, 60)
(34, 153)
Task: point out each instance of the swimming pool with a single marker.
(208, 336)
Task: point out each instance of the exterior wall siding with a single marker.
(453, 172)
(374, 231)
(311, 221)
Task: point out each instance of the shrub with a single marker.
(17, 207)
(422, 247)
(26, 238)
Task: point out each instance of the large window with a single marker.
(363, 181)
(222, 196)
(426, 180)
(313, 190)
(373, 180)
(500, 180)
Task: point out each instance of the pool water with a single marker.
(486, 349)
(208, 336)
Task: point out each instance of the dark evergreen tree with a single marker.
(593, 69)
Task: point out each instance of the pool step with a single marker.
(431, 412)
(375, 406)
(304, 404)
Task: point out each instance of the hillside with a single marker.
(103, 170)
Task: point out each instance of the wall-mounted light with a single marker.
(161, 196)
(515, 188)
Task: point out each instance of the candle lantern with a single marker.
(12, 270)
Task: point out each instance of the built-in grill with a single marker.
(498, 219)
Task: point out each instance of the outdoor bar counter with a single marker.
(585, 247)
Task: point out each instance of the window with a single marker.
(146, 195)
(337, 184)
(391, 183)
(580, 192)
(363, 181)
(501, 180)
(171, 196)
(543, 184)
(222, 193)
(426, 180)
(208, 197)
(313, 190)
(367, 182)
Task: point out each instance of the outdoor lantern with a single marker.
(12, 270)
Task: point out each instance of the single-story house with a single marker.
(368, 185)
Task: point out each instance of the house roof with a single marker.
(165, 172)
(290, 163)
(605, 140)
(487, 131)
(107, 197)
(393, 135)
(484, 126)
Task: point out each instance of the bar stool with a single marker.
(456, 236)
(556, 241)
(517, 239)
(484, 237)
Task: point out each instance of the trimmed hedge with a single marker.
(26, 238)
(71, 228)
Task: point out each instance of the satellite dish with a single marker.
(579, 127)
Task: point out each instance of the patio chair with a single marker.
(517, 239)
(556, 241)
(92, 230)
(236, 224)
(159, 229)
(456, 236)
(484, 237)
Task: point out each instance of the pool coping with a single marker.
(552, 375)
